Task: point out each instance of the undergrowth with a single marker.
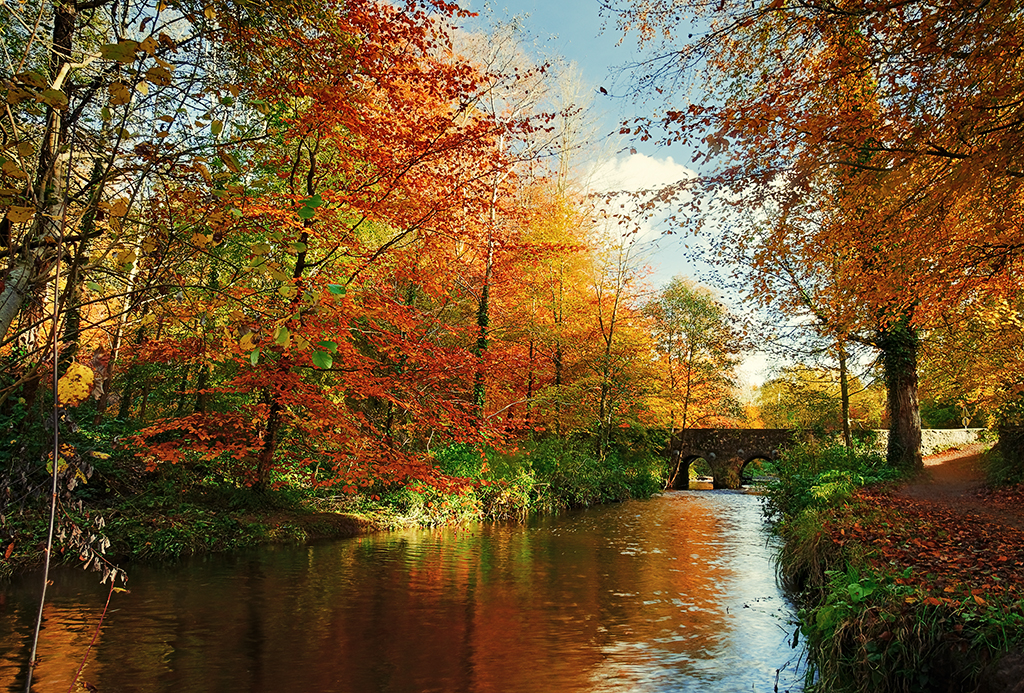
(872, 617)
(198, 507)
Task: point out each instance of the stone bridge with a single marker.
(726, 450)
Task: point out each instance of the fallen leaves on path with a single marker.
(948, 536)
(950, 554)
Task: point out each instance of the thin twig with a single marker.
(95, 635)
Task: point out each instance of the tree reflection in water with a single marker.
(676, 593)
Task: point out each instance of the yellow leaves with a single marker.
(1000, 315)
(204, 172)
(20, 215)
(125, 257)
(75, 385)
(16, 95)
(218, 220)
(210, 13)
(274, 270)
(247, 342)
(120, 94)
(119, 207)
(201, 240)
(122, 51)
(160, 76)
(149, 46)
(230, 161)
(12, 169)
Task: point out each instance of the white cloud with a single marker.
(753, 370)
(637, 172)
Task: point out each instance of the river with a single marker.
(673, 594)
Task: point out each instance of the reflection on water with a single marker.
(672, 594)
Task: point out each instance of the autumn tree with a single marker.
(377, 155)
(920, 133)
(971, 361)
(698, 348)
(808, 397)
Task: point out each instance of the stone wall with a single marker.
(934, 440)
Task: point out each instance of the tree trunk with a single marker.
(844, 396)
(483, 322)
(899, 343)
(265, 458)
(529, 389)
(13, 295)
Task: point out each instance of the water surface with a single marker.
(673, 594)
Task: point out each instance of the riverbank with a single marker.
(125, 514)
(914, 586)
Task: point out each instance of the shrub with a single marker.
(815, 476)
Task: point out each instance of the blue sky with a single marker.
(574, 30)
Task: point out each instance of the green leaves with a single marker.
(229, 161)
(321, 359)
(336, 289)
(54, 98)
(308, 209)
(282, 336)
(122, 51)
(861, 590)
(33, 79)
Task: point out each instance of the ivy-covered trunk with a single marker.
(899, 343)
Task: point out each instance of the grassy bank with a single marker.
(896, 594)
(122, 513)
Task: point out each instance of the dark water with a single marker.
(673, 594)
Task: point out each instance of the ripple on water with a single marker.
(673, 594)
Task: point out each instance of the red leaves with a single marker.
(951, 554)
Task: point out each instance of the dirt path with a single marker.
(962, 541)
(956, 480)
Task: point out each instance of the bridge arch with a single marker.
(679, 478)
(757, 458)
(727, 450)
